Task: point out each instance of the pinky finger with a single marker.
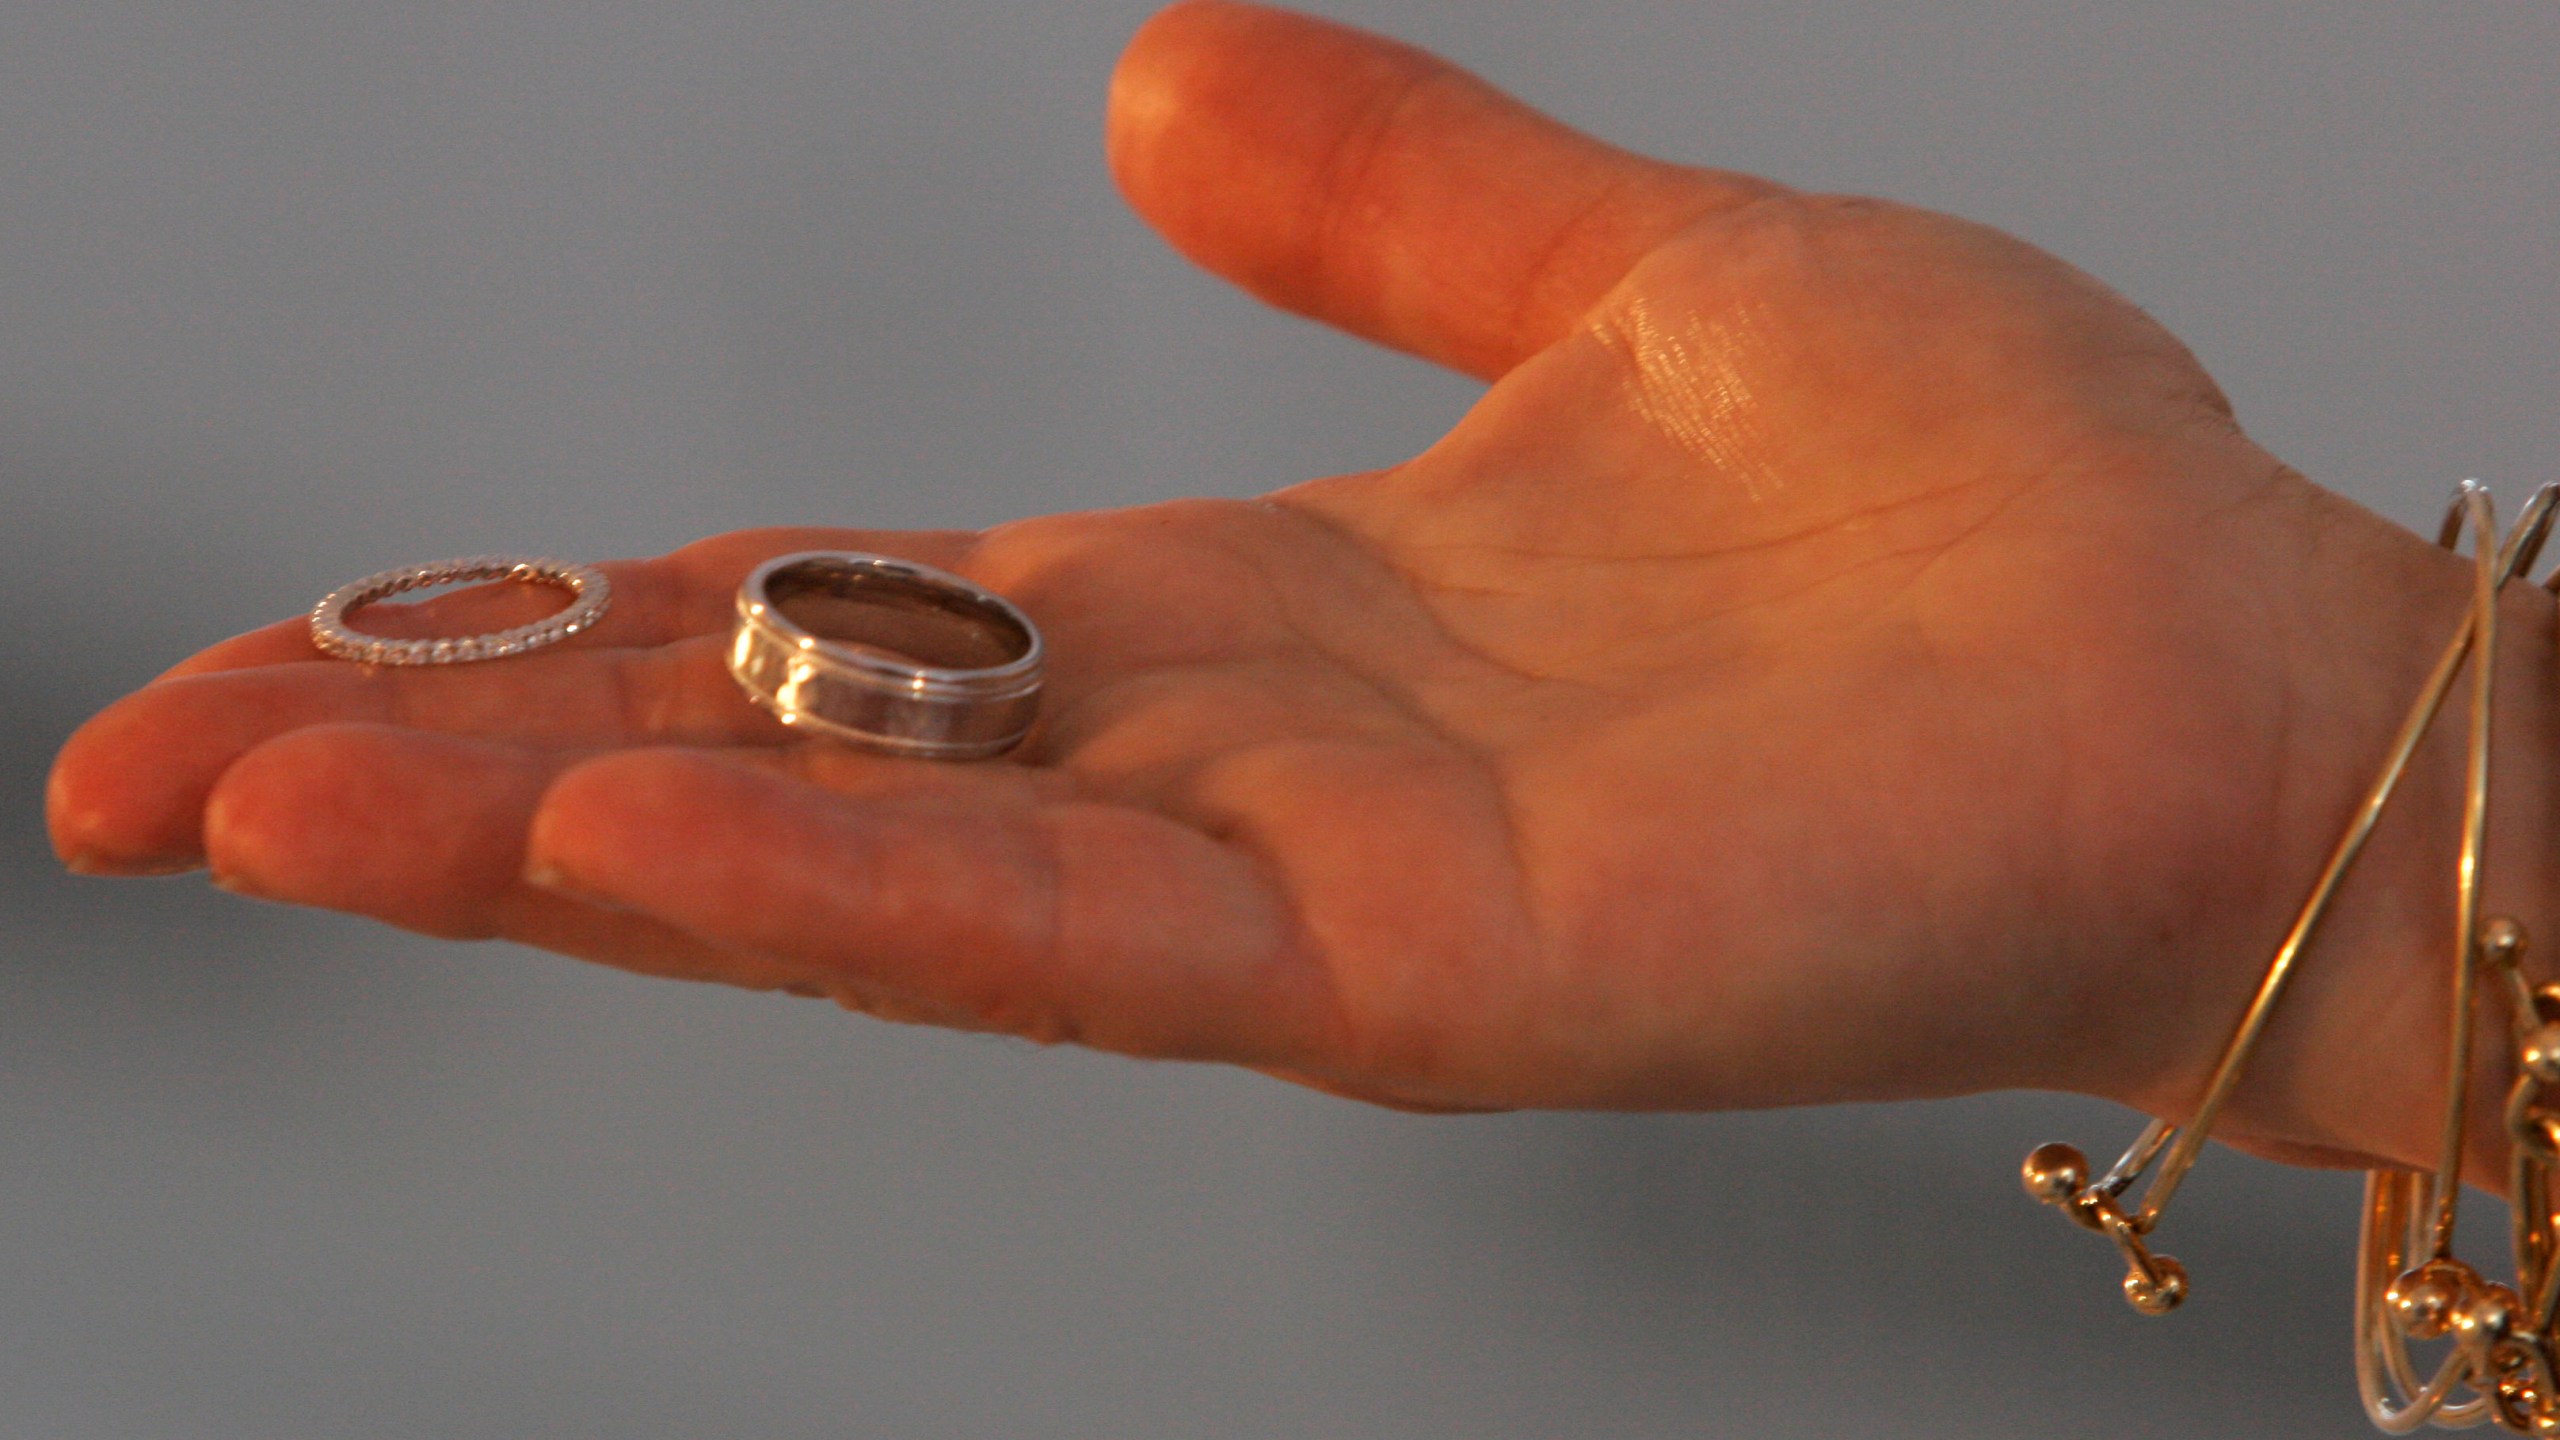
(967, 901)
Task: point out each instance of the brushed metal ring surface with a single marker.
(589, 593)
(886, 654)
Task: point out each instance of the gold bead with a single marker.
(2489, 1315)
(2055, 1172)
(2422, 1302)
(2540, 1057)
(2546, 1002)
(2159, 1292)
(2501, 942)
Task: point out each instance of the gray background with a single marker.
(294, 289)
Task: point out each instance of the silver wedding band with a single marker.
(589, 593)
(886, 654)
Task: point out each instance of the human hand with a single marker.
(1846, 654)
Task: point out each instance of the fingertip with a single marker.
(72, 820)
(89, 842)
(602, 819)
(422, 830)
(1220, 115)
(1180, 64)
(279, 801)
(108, 812)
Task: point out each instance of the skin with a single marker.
(1847, 654)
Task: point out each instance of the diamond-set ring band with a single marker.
(589, 593)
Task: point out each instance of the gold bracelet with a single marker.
(2504, 1364)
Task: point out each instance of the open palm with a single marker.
(1847, 653)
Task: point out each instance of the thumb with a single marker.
(1371, 186)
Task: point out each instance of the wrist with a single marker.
(2352, 1068)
